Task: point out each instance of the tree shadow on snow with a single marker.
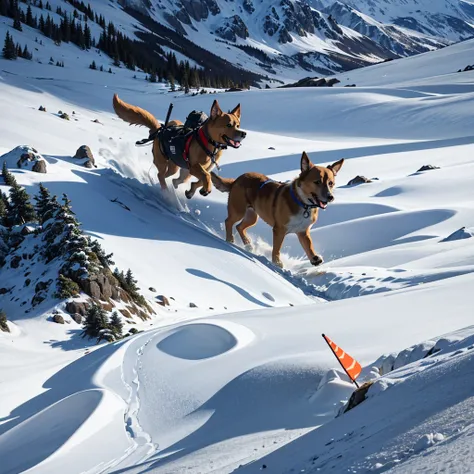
(241, 291)
(75, 341)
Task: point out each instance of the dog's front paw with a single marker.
(316, 260)
(278, 262)
(203, 192)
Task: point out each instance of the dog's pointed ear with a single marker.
(216, 111)
(306, 164)
(236, 111)
(335, 167)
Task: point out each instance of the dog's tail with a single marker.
(134, 115)
(224, 185)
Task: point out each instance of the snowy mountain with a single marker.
(290, 32)
(449, 19)
(238, 42)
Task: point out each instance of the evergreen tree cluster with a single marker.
(74, 28)
(97, 324)
(14, 51)
(63, 238)
(69, 30)
(129, 284)
(16, 209)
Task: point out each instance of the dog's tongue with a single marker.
(234, 143)
(323, 205)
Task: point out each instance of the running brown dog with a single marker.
(290, 208)
(218, 132)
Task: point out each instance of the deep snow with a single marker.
(250, 382)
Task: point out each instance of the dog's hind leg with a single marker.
(172, 169)
(204, 181)
(204, 177)
(195, 185)
(183, 177)
(236, 210)
(161, 164)
(249, 220)
(162, 170)
(279, 234)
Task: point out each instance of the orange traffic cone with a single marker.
(350, 365)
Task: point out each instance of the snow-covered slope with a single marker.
(250, 383)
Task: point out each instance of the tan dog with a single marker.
(290, 208)
(219, 131)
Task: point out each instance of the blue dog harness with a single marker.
(307, 207)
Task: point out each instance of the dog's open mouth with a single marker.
(315, 200)
(232, 143)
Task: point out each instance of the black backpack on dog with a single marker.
(173, 139)
(195, 119)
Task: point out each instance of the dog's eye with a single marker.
(331, 184)
(318, 182)
(229, 125)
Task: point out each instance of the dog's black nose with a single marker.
(244, 134)
(330, 198)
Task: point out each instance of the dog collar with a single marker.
(307, 207)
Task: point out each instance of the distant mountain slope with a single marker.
(320, 35)
(264, 42)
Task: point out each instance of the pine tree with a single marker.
(30, 21)
(43, 202)
(4, 204)
(17, 23)
(21, 210)
(3, 209)
(26, 54)
(61, 229)
(104, 258)
(93, 66)
(66, 288)
(51, 210)
(116, 325)
(130, 281)
(185, 82)
(172, 83)
(95, 321)
(9, 48)
(87, 37)
(3, 7)
(194, 79)
(8, 178)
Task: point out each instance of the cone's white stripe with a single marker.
(352, 365)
